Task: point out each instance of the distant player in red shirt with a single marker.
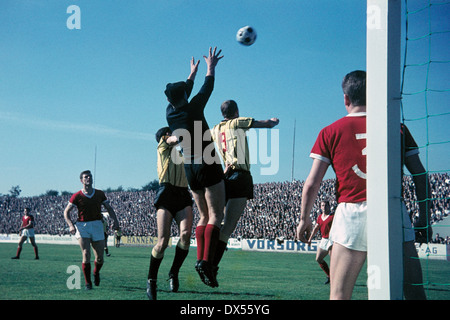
(343, 146)
(323, 223)
(89, 226)
(27, 231)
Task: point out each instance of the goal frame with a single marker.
(384, 222)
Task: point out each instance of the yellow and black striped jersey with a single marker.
(231, 141)
(170, 165)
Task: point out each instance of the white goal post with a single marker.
(384, 225)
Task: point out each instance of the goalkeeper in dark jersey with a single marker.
(202, 166)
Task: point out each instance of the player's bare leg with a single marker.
(233, 212)
(215, 199)
(85, 245)
(345, 267)
(19, 247)
(164, 220)
(321, 254)
(33, 243)
(184, 219)
(202, 206)
(98, 247)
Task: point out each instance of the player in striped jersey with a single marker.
(231, 140)
(173, 201)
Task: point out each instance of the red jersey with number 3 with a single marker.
(342, 144)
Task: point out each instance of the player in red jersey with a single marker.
(27, 231)
(323, 223)
(342, 145)
(89, 226)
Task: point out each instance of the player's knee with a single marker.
(86, 255)
(204, 217)
(161, 246)
(158, 251)
(184, 243)
(185, 236)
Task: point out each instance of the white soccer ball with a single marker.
(246, 36)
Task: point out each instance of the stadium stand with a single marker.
(272, 214)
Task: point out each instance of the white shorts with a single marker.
(28, 233)
(325, 244)
(349, 227)
(90, 229)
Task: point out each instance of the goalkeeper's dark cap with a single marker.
(175, 91)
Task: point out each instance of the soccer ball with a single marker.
(246, 36)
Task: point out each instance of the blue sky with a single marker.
(66, 93)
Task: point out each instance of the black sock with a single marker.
(154, 267)
(180, 256)
(220, 250)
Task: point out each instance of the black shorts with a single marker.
(238, 184)
(172, 198)
(200, 176)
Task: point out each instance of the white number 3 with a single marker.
(355, 168)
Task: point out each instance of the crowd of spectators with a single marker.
(272, 214)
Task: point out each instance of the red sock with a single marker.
(200, 237)
(86, 267)
(19, 249)
(97, 267)
(211, 237)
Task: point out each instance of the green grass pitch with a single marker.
(242, 276)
